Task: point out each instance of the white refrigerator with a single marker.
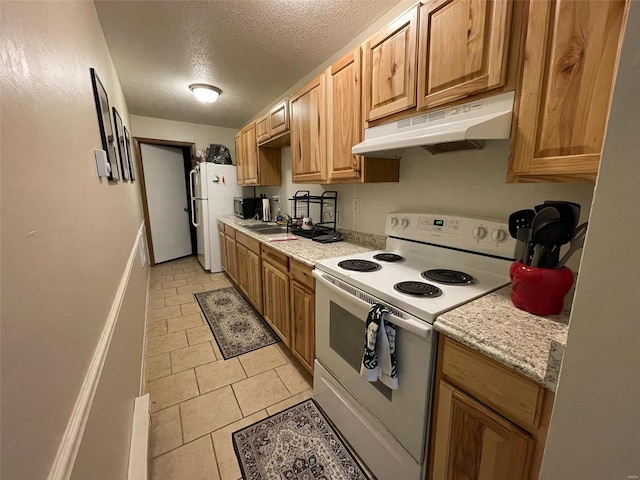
(212, 188)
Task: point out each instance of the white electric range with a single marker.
(432, 264)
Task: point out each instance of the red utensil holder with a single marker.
(540, 291)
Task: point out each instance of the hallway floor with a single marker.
(198, 399)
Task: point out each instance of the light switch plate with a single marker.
(102, 164)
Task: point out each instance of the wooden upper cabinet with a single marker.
(571, 53)
(462, 49)
(279, 118)
(262, 128)
(250, 154)
(308, 132)
(472, 441)
(390, 68)
(273, 127)
(239, 159)
(344, 111)
(256, 165)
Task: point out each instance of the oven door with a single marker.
(341, 312)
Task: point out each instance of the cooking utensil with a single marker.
(524, 235)
(520, 219)
(544, 215)
(520, 229)
(549, 235)
(577, 242)
(567, 210)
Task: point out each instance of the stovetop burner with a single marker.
(388, 257)
(450, 277)
(359, 265)
(418, 289)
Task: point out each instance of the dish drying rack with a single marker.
(326, 211)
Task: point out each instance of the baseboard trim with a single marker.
(139, 450)
(70, 444)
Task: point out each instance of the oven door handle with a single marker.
(417, 327)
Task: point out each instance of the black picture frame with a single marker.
(104, 122)
(124, 164)
(127, 144)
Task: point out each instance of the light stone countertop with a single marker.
(529, 344)
(302, 249)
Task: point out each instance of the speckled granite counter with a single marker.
(301, 249)
(493, 326)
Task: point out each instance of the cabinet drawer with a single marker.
(507, 392)
(277, 259)
(230, 231)
(251, 243)
(302, 273)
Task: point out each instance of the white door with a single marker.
(164, 180)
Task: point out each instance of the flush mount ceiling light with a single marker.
(205, 93)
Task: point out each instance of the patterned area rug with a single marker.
(296, 444)
(236, 326)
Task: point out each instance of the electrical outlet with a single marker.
(356, 205)
(275, 198)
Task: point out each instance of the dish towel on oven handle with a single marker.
(379, 358)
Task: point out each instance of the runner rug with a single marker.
(237, 327)
(298, 443)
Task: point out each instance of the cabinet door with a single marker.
(462, 48)
(239, 158)
(344, 113)
(473, 442)
(262, 129)
(275, 305)
(303, 324)
(390, 67)
(308, 132)
(243, 273)
(279, 118)
(250, 154)
(232, 258)
(254, 279)
(571, 54)
(223, 250)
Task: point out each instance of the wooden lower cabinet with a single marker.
(250, 275)
(243, 268)
(231, 266)
(473, 442)
(489, 422)
(280, 288)
(223, 248)
(303, 323)
(275, 305)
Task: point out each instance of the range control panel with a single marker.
(473, 234)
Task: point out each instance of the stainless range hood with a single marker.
(457, 128)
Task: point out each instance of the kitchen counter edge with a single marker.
(529, 344)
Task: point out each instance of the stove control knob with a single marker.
(404, 223)
(393, 221)
(479, 232)
(499, 235)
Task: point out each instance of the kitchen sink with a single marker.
(266, 228)
(271, 230)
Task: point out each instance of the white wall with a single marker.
(201, 135)
(595, 425)
(66, 238)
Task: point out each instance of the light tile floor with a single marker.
(198, 399)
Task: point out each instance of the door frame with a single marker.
(186, 147)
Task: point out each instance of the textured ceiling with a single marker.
(252, 49)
